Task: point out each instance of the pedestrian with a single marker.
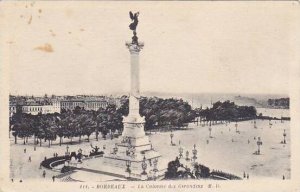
(12, 180)
(244, 174)
(45, 158)
(25, 150)
(247, 176)
(44, 173)
(21, 181)
(53, 178)
(34, 148)
(40, 165)
(53, 154)
(56, 154)
(248, 141)
(283, 177)
(29, 159)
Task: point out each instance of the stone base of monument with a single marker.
(133, 153)
(144, 176)
(134, 150)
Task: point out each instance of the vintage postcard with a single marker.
(134, 96)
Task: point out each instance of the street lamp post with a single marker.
(144, 167)
(155, 170)
(284, 135)
(180, 151)
(128, 170)
(187, 155)
(67, 152)
(79, 155)
(259, 143)
(171, 136)
(194, 153)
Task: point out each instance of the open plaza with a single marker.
(225, 150)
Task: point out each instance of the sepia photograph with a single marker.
(145, 94)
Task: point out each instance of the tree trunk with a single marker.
(16, 139)
(40, 142)
(49, 143)
(71, 140)
(60, 141)
(88, 138)
(24, 141)
(79, 138)
(97, 133)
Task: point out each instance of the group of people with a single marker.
(246, 175)
(44, 175)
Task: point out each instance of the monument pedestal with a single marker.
(134, 147)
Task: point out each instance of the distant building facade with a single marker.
(89, 104)
(35, 108)
(54, 104)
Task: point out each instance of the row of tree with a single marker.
(279, 103)
(162, 113)
(226, 111)
(158, 113)
(80, 122)
(67, 124)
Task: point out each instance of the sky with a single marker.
(190, 47)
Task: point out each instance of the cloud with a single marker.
(46, 48)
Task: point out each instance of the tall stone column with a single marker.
(133, 147)
(134, 123)
(134, 50)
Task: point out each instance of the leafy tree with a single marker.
(227, 111)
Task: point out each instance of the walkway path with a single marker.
(102, 172)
